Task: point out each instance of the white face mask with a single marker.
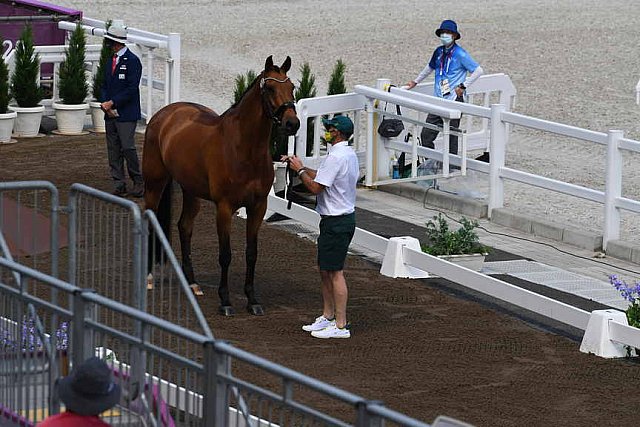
(446, 39)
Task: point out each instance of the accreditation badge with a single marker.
(444, 87)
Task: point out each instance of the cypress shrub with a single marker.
(98, 77)
(72, 79)
(243, 81)
(307, 89)
(4, 84)
(336, 82)
(25, 81)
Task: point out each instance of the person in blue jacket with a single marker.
(121, 104)
(455, 70)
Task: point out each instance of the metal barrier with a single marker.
(162, 386)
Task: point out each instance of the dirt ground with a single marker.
(418, 346)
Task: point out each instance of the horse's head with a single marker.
(277, 94)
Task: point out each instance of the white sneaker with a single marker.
(332, 332)
(319, 324)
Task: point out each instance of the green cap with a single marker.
(342, 123)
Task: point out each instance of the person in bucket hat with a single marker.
(334, 183)
(455, 70)
(120, 100)
(86, 393)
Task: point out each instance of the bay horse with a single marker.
(224, 158)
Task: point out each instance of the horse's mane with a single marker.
(248, 89)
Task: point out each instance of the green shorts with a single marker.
(336, 233)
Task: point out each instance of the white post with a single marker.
(497, 146)
(149, 84)
(370, 144)
(446, 142)
(382, 157)
(174, 56)
(612, 188)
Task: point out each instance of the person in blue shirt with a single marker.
(120, 100)
(455, 70)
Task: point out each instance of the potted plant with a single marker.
(460, 246)
(97, 115)
(25, 87)
(73, 87)
(7, 118)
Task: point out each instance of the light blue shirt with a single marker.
(452, 64)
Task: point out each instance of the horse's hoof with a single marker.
(226, 310)
(196, 289)
(255, 309)
(149, 281)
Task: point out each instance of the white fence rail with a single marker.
(160, 56)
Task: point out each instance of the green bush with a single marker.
(307, 89)
(4, 84)
(72, 80)
(25, 81)
(443, 241)
(243, 81)
(98, 77)
(336, 82)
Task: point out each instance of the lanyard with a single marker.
(445, 56)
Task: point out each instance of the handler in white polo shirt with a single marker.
(335, 186)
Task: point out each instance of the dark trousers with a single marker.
(121, 147)
(427, 136)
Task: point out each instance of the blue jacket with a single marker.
(123, 86)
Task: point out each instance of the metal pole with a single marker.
(222, 366)
(612, 188)
(497, 150)
(210, 386)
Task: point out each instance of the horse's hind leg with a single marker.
(190, 208)
(223, 221)
(255, 216)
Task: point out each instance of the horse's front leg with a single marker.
(190, 209)
(223, 221)
(255, 215)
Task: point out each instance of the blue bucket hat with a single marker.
(448, 25)
(342, 123)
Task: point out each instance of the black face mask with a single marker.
(109, 43)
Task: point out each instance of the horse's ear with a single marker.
(286, 65)
(269, 63)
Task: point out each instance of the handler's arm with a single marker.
(307, 177)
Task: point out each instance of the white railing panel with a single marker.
(553, 127)
(503, 291)
(553, 185)
(624, 334)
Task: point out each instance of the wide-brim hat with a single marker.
(117, 33)
(448, 25)
(342, 123)
(89, 390)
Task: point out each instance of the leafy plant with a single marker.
(336, 82)
(98, 77)
(243, 81)
(4, 84)
(72, 80)
(25, 87)
(307, 89)
(441, 240)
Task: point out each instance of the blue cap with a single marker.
(448, 25)
(342, 123)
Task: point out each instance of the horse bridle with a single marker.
(276, 115)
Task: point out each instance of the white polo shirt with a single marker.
(338, 173)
